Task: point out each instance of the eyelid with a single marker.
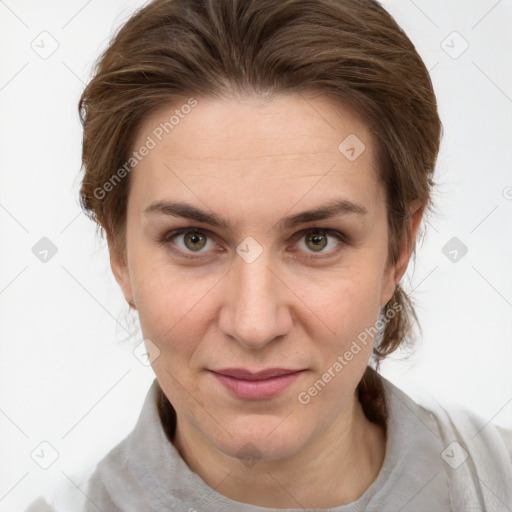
(169, 235)
(340, 236)
(327, 231)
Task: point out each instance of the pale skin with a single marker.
(253, 162)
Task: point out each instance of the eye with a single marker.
(189, 240)
(315, 240)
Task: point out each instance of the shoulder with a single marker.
(452, 421)
(67, 495)
(479, 434)
(84, 491)
(94, 488)
(476, 454)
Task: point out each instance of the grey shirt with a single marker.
(146, 473)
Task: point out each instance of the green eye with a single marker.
(187, 241)
(317, 239)
(194, 240)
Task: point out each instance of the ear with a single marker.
(120, 270)
(394, 273)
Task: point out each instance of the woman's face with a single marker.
(243, 288)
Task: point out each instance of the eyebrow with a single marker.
(185, 210)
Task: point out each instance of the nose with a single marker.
(255, 309)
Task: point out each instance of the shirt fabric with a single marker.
(435, 460)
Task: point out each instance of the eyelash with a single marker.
(341, 237)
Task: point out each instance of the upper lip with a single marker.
(242, 373)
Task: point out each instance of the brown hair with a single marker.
(352, 50)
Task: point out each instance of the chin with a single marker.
(253, 439)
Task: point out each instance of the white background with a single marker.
(67, 372)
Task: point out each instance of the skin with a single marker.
(254, 161)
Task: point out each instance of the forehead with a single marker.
(233, 148)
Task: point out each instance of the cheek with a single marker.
(173, 306)
(350, 309)
(177, 304)
(348, 301)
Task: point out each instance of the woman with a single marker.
(260, 170)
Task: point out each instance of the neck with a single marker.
(333, 470)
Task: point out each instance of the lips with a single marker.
(240, 373)
(258, 385)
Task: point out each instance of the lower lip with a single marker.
(257, 389)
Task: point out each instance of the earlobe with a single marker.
(121, 274)
(395, 272)
(416, 210)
